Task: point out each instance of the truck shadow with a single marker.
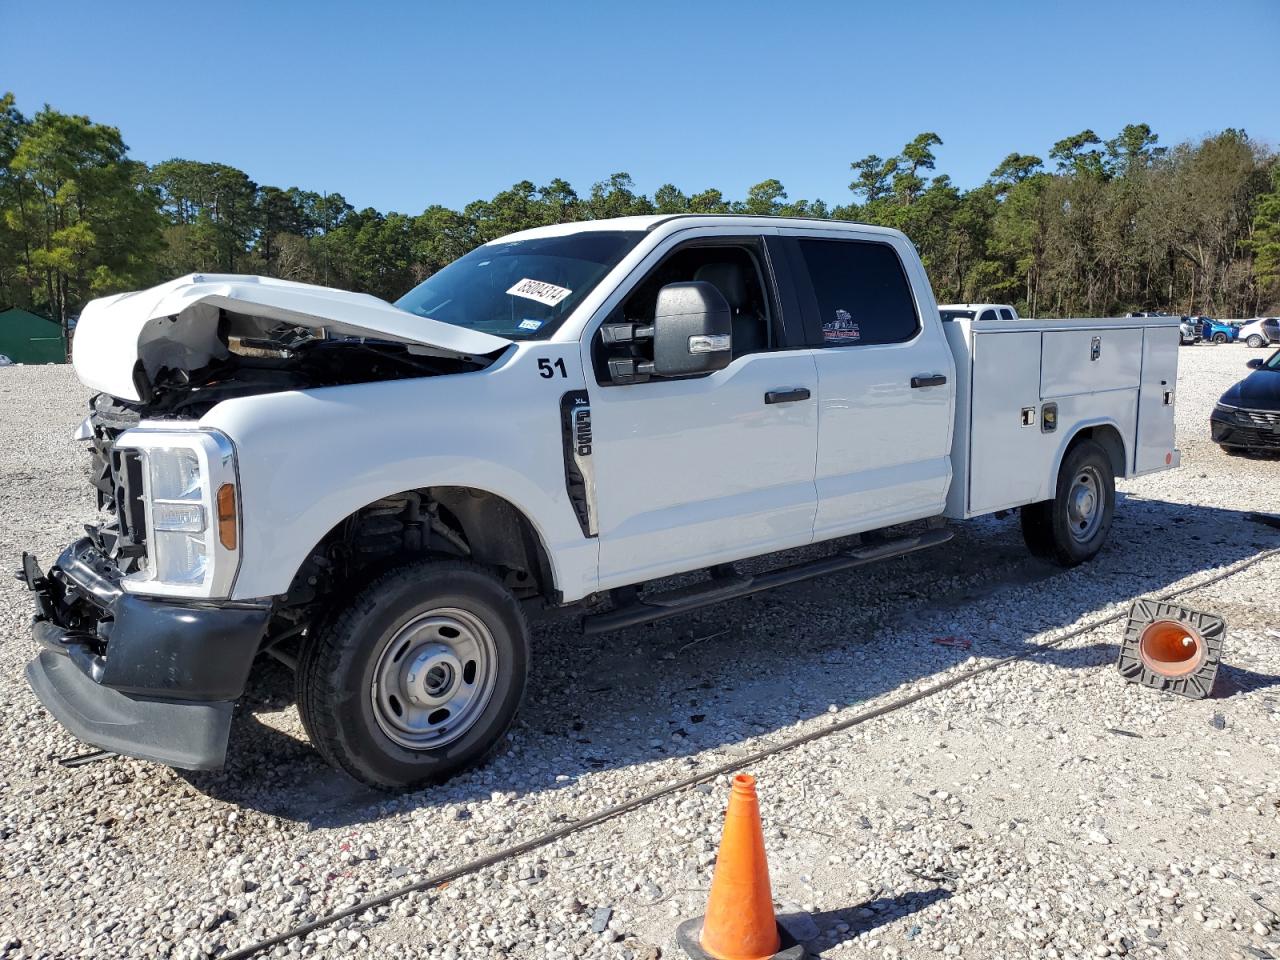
(867, 916)
(713, 680)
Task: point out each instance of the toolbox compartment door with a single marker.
(1090, 361)
(1156, 401)
(1008, 457)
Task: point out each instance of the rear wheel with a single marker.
(1072, 527)
(1254, 341)
(418, 677)
(1219, 337)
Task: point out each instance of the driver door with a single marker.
(713, 468)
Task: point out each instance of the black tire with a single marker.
(1255, 341)
(1035, 529)
(337, 669)
(1219, 337)
(1047, 527)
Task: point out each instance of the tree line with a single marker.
(1100, 227)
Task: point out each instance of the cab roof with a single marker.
(651, 222)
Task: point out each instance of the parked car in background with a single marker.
(1247, 416)
(977, 311)
(1189, 331)
(1260, 332)
(1216, 331)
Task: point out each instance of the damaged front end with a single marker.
(282, 359)
(139, 653)
(139, 676)
(142, 651)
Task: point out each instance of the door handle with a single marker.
(932, 380)
(787, 396)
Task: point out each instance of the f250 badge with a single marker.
(579, 470)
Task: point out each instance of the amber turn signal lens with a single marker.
(227, 516)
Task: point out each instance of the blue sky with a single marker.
(399, 105)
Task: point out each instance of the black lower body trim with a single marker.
(187, 734)
(659, 607)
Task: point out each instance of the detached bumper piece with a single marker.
(1173, 648)
(176, 733)
(141, 677)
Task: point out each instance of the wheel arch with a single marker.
(1107, 435)
(487, 528)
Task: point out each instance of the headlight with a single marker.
(190, 499)
(177, 549)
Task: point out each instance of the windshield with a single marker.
(521, 289)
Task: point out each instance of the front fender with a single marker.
(309, 459)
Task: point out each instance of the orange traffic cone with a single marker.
(1170, 647)
(739, 923)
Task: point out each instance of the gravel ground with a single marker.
(1043, 809)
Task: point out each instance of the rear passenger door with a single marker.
(885, 381)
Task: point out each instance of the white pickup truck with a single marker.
(378, 495)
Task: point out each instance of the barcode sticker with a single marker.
(540, 291)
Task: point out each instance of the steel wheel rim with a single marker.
(434, 678)
(1084, 504)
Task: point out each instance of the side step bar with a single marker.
(718, 589)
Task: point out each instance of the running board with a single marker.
(719, 589)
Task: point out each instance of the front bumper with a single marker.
(1228, 431)
(138, 676)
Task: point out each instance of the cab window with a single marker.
(863, 297)
(736, 269)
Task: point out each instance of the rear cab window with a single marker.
(860, 292)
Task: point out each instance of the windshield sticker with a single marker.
(529, 325)
(540, 291)
(842, 329)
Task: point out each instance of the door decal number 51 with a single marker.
(552, 368)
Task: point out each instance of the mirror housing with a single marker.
(692, 330)
(1255, 363)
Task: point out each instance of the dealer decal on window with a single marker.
(842, 329)
(540, 291)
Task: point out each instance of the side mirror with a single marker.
(1255, 363)
(692, 330)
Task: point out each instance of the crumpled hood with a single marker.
(176, 325)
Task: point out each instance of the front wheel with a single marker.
(1254, 341)
(418, 677)
(1072, 527)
